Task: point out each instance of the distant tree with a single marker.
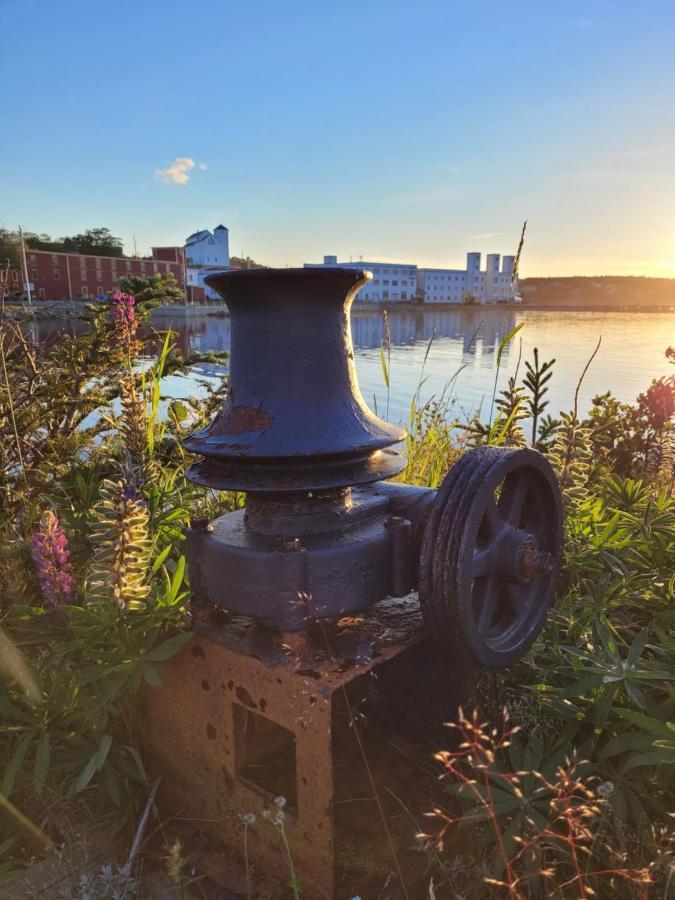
(42, 242)
(245, 262)
(9, 248)
(97, 241)
(468, 299)
(153, 290)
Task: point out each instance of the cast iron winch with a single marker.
(323, 534)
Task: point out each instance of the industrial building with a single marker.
(494, 285)
(391, 281)
(399, 281)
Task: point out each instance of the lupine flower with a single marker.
(123, 314)
(122, 547)
(122, 307)
(51, 556)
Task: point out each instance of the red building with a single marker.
(67, 276)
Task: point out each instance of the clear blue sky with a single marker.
(404, 131)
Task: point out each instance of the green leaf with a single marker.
(176, 581)
(651, 758)
(151, 675)
(15, 763)
(636, 648)
(505, 340)
(653, 726)
(603, 707)
(385, 371)
(169, 647)
(582, 686)
(94, 765)
(161, 557)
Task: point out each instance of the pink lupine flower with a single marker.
(122, 308)
(51, 556)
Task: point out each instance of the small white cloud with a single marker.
(177, 172)
(203, 167)
(481, 237)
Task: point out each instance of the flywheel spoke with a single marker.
(493, 517)
(518, 598)
(489, 595)
(512, 502)
(480, 564)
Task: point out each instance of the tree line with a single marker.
(95, 241)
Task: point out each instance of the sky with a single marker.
(387, 130)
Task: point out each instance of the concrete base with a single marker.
(241, 720)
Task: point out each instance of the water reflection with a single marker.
(477, 332)
(465, 344)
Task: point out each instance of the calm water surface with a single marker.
(464, 351)
(465, 344)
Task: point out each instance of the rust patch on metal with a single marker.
(240, 418)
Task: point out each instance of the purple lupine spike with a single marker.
(49, 549)
(122, 307)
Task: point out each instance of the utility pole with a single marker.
(24, 269)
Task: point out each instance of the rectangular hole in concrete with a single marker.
(265, 755)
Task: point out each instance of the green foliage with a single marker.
(95, 241)
(599, 681)
(86, 439)
(153, 290)
(84, 431)
(536, 378)
(571, 457)
(245, 262)
(634, 440)
(9, 249)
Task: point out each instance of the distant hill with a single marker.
(628, 291)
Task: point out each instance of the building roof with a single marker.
(220, 228)
(198, 236)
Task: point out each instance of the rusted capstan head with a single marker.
(294, 418)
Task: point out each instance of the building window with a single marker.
(33, 258)
(404, 295)
(41, 294)
(55, 259)
(34, 274)
(99, 289)
(84, 290)
(395, 281)
(15, 275)
(57, 274)
(128, 264)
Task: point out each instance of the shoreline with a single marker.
(65, 310)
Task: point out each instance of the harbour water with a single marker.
(461, 347)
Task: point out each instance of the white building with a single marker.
(205, 253)
(391, 281)
(457, 285)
